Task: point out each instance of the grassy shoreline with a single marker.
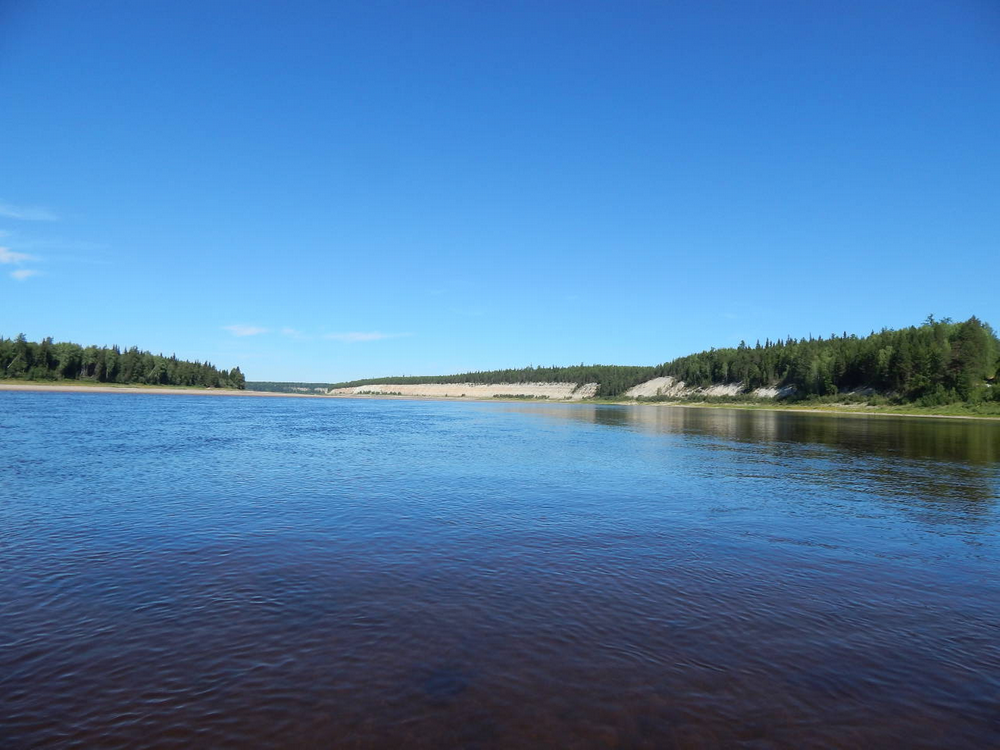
(951, 411)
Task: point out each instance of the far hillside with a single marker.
(936, 363)
(612, 380)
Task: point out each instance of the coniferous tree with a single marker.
(22, 359)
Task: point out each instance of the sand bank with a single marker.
(550, 391)
(62, 388)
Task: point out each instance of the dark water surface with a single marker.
(184, 571)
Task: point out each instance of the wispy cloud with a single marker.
(60, 243)
(23, 273)
(9, 256)
(26, 213)
(354, 337)
(295, 333)
(350, 337)
(242, 330)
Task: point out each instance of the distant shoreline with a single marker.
(172, 391)
(164, 390)
(830, 411)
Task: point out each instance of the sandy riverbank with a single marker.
(62, 388)
(475, 391)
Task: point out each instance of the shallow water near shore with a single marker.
(182, 571)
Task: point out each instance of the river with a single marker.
(198, 572)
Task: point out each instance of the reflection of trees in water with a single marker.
(967, 441)
(923, 460)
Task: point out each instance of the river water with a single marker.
(187, 571)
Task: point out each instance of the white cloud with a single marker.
(9, 256)
(26, 213)
(23, 273)
(294, 333)
(356, 336)
(57, 243)
(241, 330)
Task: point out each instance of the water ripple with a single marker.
(181, 571)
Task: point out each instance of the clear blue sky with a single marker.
(370, 188)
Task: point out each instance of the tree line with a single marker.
(21, 359)
(935, 363)
(269, 386)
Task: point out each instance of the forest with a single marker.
(21, 359)
(938, 362)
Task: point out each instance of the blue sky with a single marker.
(321, 191)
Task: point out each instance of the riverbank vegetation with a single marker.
(48, 361)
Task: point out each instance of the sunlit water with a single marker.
(186, 571)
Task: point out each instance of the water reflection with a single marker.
(923, 460)
(969, 441)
